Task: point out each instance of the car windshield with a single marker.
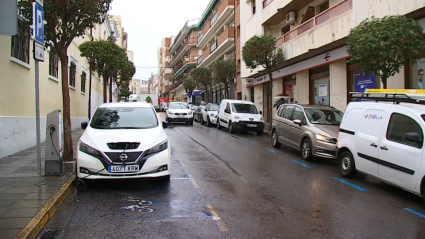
(213, 107)
(324, 116)
(124, 118)
(244, 108)
(179, 106)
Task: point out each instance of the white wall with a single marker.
(303, 87)
(258, 94)
(338, 85)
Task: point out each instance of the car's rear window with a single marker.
(124, 118)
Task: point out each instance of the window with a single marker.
(238, 31)
(20, 48)
(53, 64)
(323, 7)
(253, 6)
(83, 82)
(288, 112)
(72, 72)
(244, 108)
(285, 29)
(324, 116)
(298, 114)
(280, 111)
(228, 108)
(124, 118)
(405, 130)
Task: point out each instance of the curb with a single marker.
(34, 227)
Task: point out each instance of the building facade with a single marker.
(313, 35)
(216, 41)
(183, 56)
(153, 85)
(17, 93)
(164, 70)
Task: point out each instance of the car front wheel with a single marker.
(275, 141)
(306, 149)
(347, 165)
(209, 122)
(230, 127)
(218, 124)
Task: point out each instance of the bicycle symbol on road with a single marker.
(142, 206)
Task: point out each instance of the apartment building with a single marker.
(183, 58)
(153, 85)
(164, 70)
(238, 49)
(216, 40)
(144, 86)
(313, 34)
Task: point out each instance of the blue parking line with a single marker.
(302, 164)
(272, 151)
(250, 142)
(235, 136)
(415, 212)
(350, 184)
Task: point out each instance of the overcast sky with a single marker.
(147, 22)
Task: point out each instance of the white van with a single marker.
(385, 138)
(240, 115)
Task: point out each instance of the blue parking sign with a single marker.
(38, 23)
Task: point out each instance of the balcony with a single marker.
(323, 29)
(183, 49)
(223, 44)
(167, 71)
(225, 9)
(266, 3)
(199, 60)
(180, 68)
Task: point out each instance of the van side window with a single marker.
(288, 112)
(405, 130)
(228, 107)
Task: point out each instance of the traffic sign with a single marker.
(40, 2)
(38, 51)
(38, 23)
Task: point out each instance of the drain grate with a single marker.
(49, 234)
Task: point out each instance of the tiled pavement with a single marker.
(20, 197)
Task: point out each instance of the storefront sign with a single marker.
(197, 93)
(189, 93)
(363, 81)
(323, 90)
(320, 60)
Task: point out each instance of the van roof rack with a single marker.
(395, 98)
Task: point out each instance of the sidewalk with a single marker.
(20, 197)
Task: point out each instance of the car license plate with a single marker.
(126, 168)
(252, 125)
(179, 116)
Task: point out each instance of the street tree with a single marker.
(105, 58)
(66, 20)
(203, 78)
(262, 51)
(382, 45)
(189, 84)
(223, 72)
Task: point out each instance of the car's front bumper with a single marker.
(324, 149)
(248, 125)
(92, 168)
(180, 118)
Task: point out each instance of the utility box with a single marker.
(54, 162)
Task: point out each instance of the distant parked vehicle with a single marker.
(197, 114)
(240, 115)
(209, 114)
(179, 112)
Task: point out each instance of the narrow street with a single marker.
(237, 186)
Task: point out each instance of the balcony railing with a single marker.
(200, 59)
(331, 13)
(214, 46)
(183, 62)
(200, 35)
(266, 2)
(229, 32)
(187, 41)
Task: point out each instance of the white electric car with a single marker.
(209, 114)
(124, 140)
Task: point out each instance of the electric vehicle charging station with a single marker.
(54, 162)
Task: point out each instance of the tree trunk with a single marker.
(384, 79)
(89, 111)
(105, 94)
(226, 90)
(270, 99)
(68, 153)
(110, 90)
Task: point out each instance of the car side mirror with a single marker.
(261, 112)
(164, 124)
(413, 138)
(84, 125)
(297, 121)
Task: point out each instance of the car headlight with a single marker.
(190, 113)
(237, 117)
(212, 115)
(323, 138)
(261, 118)
(170, 113)
(89, 150)
(157, 148)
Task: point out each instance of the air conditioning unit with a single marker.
(230, 56)
(290, 17)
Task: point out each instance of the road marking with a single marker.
(193, 181)
(415, 212)
(302, 164)
(235, 136)
(221, 225)
(250, 142)
(271, 150)
(350, 184)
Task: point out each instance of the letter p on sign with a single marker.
(38, 23)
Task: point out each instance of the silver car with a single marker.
(312, 129)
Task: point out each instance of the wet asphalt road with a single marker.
(237, 186)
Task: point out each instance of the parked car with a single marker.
(209, 114)
(124, 140)
(312, 129)
(385, 140)
(179, 112)
(240, 115)
(197, 115)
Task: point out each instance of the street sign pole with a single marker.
(38, 50)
